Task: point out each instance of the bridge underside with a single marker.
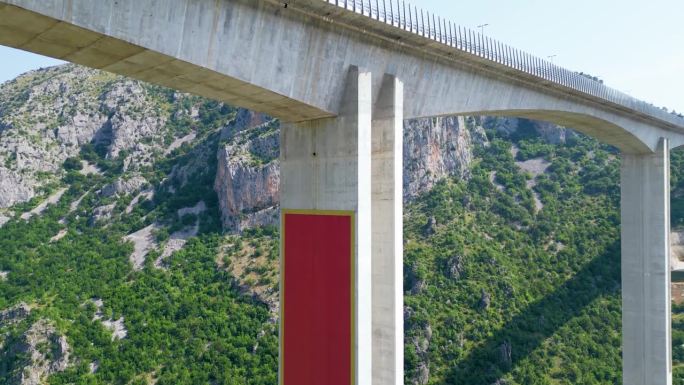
(293, 65)
(45, 35)
(344, 92)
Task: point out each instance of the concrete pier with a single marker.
(646, 300)
(325, 167)
(387, 242)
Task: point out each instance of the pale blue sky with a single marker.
(636, 46)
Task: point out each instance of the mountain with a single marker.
(138, 242)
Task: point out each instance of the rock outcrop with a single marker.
(485, 300)
(419, 338)
(248, 175)
(548, 132)
(117, 327)
(677, 250)
(47, 115)
(123, 186)
(454, 267)
(435, 148)
(14, 188)
(39, 352)
(14, 314)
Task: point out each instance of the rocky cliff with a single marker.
(48, 116)
(248, 176)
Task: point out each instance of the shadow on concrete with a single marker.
(524, 333)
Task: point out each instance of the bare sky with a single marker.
(636, 46)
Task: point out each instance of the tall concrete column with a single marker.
(646, 313)
(326, 169)
(387, 223)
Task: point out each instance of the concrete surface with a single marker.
(387, 242)
(646, 299)
(292, 62)
(325, 165)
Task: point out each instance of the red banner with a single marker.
(317, 298)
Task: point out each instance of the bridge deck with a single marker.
(403, 23)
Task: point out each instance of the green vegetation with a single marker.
(552, 277)
(497, 291)
(186, 325)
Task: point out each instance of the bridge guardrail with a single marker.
(401, 14)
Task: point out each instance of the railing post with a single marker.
(451, 35)
(384, 11)
(422, 24)
(403, 3)
(480, 45)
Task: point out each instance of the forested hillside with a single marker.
(120, 263)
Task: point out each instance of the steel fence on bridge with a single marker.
(407, 17)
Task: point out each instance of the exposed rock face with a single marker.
(48, 114)
(40, 352)
(505, 354)
(14, 188)
(102, 213)
(420, 335)
(144, 241)
(485, 300)
(430, 226)
(14, 314)
(179, 238)
(51, 200)
(413, 280)
(247, 182)
(677, 250)
(248, 176)
(550, 133)
(117, 327)
(435, 148)
(4, 218)
(123, 186)
(454, 267)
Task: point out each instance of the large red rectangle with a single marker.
(317, 298)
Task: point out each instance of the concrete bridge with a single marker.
(343, 75)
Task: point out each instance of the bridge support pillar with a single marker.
(646, 313)
(326, 320)
(387, 224)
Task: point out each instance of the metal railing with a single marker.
(403, 15)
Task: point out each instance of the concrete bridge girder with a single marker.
(293, 65)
